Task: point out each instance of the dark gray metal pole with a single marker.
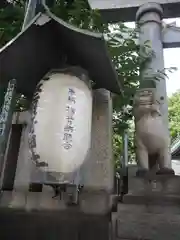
(125, 149)
(124, 173)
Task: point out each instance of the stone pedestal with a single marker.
(151, 209)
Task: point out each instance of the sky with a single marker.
(171, 59)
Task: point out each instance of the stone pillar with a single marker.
(149, 17)
(98, 170)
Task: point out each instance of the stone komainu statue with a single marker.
(151, 136)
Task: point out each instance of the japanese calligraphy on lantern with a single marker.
(6, 107)
(70, 112)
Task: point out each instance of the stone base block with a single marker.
(151, 209)
(148, 226)
(46, 225)
(153, 185)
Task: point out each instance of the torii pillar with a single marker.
(149, 17)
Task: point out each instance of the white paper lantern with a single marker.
(60, 135)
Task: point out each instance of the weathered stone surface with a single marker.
(97, 171)
(55, 225)
(160, 184)
(124, 209)
(150, 211)
(138, 225)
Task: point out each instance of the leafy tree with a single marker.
(11, 18)
(174, 114)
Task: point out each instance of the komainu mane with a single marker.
(151, 137)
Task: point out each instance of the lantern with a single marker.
(60, 131)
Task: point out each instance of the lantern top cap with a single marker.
(48, 42)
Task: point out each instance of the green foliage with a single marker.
(22, 104)
(124, 52)
(78, 13)
(117, 149)
(11, 18)
(174, 114)
(118, 146)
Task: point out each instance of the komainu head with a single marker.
(145, 103)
